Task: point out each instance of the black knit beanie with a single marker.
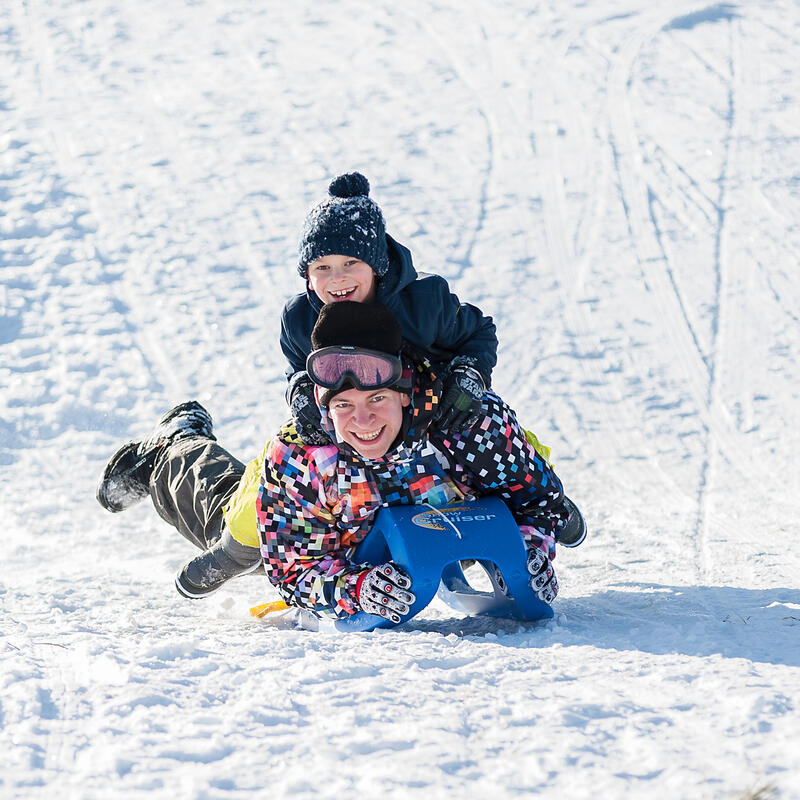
(369, 325)
(348, 223)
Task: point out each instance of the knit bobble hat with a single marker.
(368, 325)
(348, 223)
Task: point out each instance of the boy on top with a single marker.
(346, 254)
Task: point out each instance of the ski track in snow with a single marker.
(618, 184)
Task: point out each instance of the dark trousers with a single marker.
(193, 479)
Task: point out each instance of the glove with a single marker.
(543, 580)
(383, 591)
(305, 412)
(460, 406)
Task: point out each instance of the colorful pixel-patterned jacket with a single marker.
(315, 504)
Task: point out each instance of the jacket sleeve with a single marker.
(460, 328)
(496, 457)
(297, 320)
(300, 542)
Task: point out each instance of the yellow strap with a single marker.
(268, 608)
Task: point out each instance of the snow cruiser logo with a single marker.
(440, 519)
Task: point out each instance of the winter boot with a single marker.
(224, 560)
(126, 478)
(574, 530)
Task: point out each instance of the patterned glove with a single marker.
(460, 406)
(383, 591)
(541, 552)
(544, 581)
(305, 412)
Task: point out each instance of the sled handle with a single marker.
(268, 608)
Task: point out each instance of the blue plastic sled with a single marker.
(428, 543)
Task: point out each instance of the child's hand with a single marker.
(305, 412)
(460, 406)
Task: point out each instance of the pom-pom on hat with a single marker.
(368, 325)
(348, 223)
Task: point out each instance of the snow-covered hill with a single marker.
(616, 182)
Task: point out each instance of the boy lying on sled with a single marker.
(317, 502)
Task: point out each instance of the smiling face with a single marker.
(368, 421)
(335, 278)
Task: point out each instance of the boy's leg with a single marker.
(217, 564)
(192, 481)
(126, 478)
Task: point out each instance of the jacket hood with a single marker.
(401, 271)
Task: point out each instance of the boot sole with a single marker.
(118, 492)
(580, 534)
(198, 593)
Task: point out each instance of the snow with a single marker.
(616, 182)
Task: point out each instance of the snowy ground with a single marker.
(616, 182)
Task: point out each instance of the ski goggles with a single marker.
(331, 367)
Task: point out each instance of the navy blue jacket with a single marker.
(432, 318)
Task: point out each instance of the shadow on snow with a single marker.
(755, 624)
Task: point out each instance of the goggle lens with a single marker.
(331, 367)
